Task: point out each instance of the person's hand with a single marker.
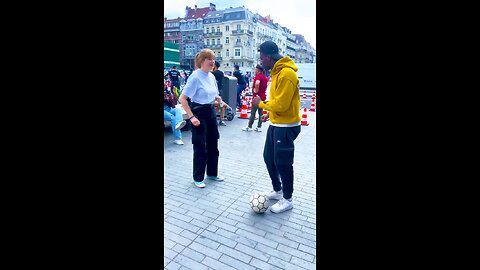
(195, 121)
(218, 99)
(265, 117)
(256, 100)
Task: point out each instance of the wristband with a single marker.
(191, 117)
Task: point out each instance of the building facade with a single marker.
(234, 35)
(305, 53)
(230, 34)
(171, 30)
(191, 29)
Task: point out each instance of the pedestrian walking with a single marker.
(259, 89)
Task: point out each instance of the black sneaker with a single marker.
(222, 123)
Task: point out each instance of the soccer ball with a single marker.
(259, 202)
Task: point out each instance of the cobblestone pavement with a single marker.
(214, 227)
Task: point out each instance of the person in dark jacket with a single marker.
(219, 106)
(242, 84)
(174, 77)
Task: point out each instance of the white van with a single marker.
(307, 75)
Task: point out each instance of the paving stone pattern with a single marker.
(214, 227)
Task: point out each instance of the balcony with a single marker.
(250, 33)
(214, 34)
(238, 44)
(218, 58)
(238, 32)
(216, 46)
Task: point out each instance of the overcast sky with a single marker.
(298, 16)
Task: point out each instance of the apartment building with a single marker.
(191, 29)
(214, 35)
(305, 53)
(171, 30)
(234, 29)
(291, 45)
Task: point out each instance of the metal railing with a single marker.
(238, 32)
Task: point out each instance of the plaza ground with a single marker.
(214, 227)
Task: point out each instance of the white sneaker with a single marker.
(281, 206)
(275, 195)
(179, 142)
(258, 129)
(180, 125)
(247, 129)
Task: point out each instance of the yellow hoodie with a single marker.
(283, 104)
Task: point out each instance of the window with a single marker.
(208, 42)
(237, 52)
(227, 53)
(227, 28)
(213, 41)
(218, 29)
(239, 27)
(218, 41)
(213, 29)
(227, 40)
(206, 30)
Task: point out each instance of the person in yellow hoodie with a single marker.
(283, 106)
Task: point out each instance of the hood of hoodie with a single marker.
(285, 62)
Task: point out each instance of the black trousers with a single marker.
(205, 142)
(177, 84)
(278, 156)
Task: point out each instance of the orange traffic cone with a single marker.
(304, 94)
(264, 112)
(244, 114)
(304, 117)
(247, 92)
(249, 103)
(312, 106)
(313, 94)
